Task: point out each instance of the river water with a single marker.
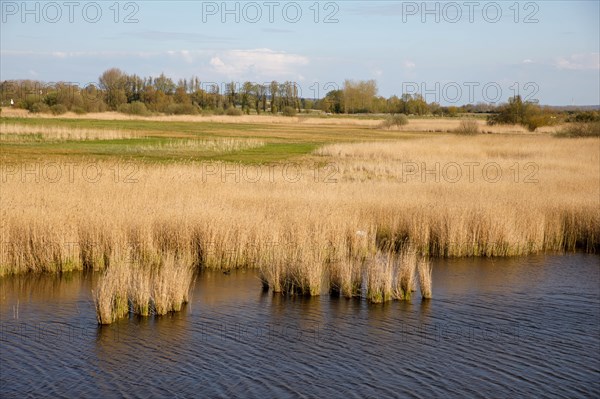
(522, 327)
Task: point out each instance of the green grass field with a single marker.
(282, 141)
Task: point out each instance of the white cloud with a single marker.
(216, 62)
(185, 55)
(253, 65)
(409, 65)
(258, 63)
(580, 62)
(527, 61)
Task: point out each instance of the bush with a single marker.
(580, 129)
(524, 113)
(79, 110)
(538, 120)
(51, 99)
(585, 116)
(452, 111)
(394, 120)
(135, 108)
(124, 108)
(138, 108)
(39, 107)
(289, 111)
(29, 101)
(181, 109)
(232, 111)
(207, 112)
(467, 127)
(58, 109)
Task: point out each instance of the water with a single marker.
(527, 327)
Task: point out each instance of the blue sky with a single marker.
(548, 50)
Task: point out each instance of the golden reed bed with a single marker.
(439, 125)
(360, 219)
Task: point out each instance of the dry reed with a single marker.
(23, 133)
(302, 235)
(143, 286)
(424, 269)
(224, 145)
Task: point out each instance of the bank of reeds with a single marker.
(305, 236)
(11, 132)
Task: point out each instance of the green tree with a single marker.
(273, 89)
(246, 96)
(525, 113)
(231, 95)
(164, 84)
(112, 82)
(260, 97)
(359, 96)
(333, 102)
(181, 96)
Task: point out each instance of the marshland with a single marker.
(335, 199)
(141, 217)
(352, 210)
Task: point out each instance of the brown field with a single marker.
(432, 125)
(348, 218)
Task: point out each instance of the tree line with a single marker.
(118, 91)
(133, 94)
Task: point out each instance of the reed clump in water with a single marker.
(111, 296)
(380, 277)
(405, 280)
(153, 285)
(391, 274)
(425, 270)
(346, 277)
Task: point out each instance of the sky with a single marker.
(450, 52)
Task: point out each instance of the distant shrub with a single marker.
(94, 105)
(51, 99)
(395, 120)
(124, 108)
(171, 108)
(79, 110)
(58, 109)
(138, 108)
(289, 111)
(585, 116)
(234, 111)
(467, 127)
(524, 113)
(181, 109)
(538, 120)
(218, 111)
(135, 108)
(452, 111)
(39, 107)
(580, 129)
(207, 112)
